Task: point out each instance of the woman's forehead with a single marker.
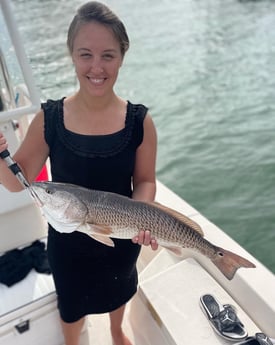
(95, 34)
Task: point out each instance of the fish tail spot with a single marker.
(228, 263)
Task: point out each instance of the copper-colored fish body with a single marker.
(104, 215)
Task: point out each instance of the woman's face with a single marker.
(97, 58)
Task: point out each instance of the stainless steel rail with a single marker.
(6, 89)
(11, 114)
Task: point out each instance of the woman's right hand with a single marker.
(3, 142)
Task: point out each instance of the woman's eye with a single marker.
(108, 57)
(85, 55)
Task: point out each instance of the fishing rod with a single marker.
(14, 167)
(16, 170)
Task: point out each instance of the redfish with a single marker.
(105, 215)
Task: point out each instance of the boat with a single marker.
(166, 308)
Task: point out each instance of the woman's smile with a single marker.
(96, 81)
(97, 59)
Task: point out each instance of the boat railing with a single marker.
(9, 109)
(20, 219)
(6, 90)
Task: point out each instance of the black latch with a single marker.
(23, 326)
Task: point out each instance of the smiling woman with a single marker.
(97, 140)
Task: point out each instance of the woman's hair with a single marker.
(100, 13)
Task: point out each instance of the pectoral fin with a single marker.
(98, 232)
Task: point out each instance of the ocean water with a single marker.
(206, 70)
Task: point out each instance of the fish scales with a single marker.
(104, 215)
(129, 217)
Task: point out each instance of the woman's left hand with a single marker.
(144, 238)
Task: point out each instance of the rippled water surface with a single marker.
(206, 69)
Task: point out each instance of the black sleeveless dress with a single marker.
(90, 277)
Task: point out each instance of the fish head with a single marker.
(62, 208)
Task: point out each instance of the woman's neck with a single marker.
(93, 115)
(96, 104)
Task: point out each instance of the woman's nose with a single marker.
(96, 65)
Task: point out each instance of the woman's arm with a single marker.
(31, 155)
(144, 178)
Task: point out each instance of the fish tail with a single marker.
(228, 263)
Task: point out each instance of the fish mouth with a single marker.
(35, 196)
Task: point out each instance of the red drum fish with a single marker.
(105, 215)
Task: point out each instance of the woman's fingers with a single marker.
(144, 238)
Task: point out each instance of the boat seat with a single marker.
(35, 288)
(166, 308)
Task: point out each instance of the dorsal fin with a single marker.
(182, 218)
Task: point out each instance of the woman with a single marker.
(97, 140)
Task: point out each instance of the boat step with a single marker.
(166, 308)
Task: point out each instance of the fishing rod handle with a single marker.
(14, 167)
(4, 154)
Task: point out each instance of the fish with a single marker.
(104, 216)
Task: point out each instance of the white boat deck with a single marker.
(172, 299)
(166, 308)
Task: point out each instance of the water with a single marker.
(206, 70)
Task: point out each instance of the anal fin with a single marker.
(174, 250)
(103, 239)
